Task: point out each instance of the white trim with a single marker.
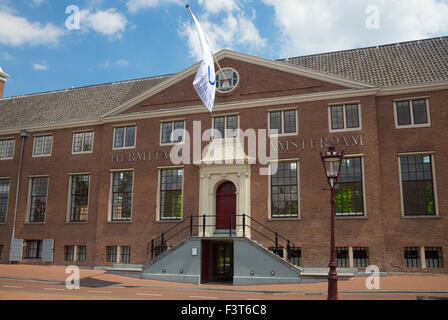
(125, 126)
(44, 136)
(6, 147)
(83, 140)
(434, 183)
(159, 178)
(282, 112)
(411, 114)
(237, 82)
(30, 186)
(111, 183)
(270, 217)
(7, 202)
(172, 131)
(69, 200)
(344, 114)
(225, 116)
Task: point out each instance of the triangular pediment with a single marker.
(258, 79)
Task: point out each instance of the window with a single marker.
(81, 254)
(345, 117)
(122, 195)
(125, 254)
(412, 113)
(433, 258)
(7, 148)
(172, 132)
(124, 137)
(38, 201)
(227, 80)
(111, 254)
(1, 252)
(284, 191)
(4, 195)
(225, 127)
(33, 249)
(42, 146)
(171, 194)
(69, 253)
(79, 198)
(342, 257)
(412, 257)
(295, 256)
(417, 185)
(349, 195)
(82, 142)
(360, 257)
(283, 122)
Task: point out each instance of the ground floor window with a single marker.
(171, 194)
(360, 257)
(349, 196)
(342, 257)
(69, 253)
(295, 256)
(111, 254)
(433, 257)
(81, 255)
(33, 249)
(1, 252)
(412, 257)
(284, 191)
(125, 254)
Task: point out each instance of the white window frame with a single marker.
(411, 112)
(125, 126)
(30, 188)
(344, 112)
(270, 217)
(225, 125)
(111, 185)
(283, 123)
(69, 198)
(8, 141)
(159, 178)
(44, 136)
(434, 182)
(83, 140)
(342, 217)
(237, 83)
(171, 143)
(9, 197)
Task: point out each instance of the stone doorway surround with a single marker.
(224, 160)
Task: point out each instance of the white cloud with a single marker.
(41, 67)
(108, 22)
(226, 25)
(121, 63)
(15, 30)
(326, 25)
(37, 2)
(5, 56)
(135, 5)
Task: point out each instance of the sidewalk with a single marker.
(420, 285)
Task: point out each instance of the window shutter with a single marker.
(47, 250)
(16, 250)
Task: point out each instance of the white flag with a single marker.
(205, 80)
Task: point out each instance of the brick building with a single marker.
(98, 182)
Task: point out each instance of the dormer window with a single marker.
(227, 80)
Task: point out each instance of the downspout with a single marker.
(23, 134)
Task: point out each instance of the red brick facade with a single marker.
(382, 230)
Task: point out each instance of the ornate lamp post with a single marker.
(332, 161)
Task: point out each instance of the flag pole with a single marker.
(216, 60)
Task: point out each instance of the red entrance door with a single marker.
(226, 206)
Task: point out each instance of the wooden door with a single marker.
(226, 206)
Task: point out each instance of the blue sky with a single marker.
(128, 39)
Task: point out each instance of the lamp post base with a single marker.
(332, 284)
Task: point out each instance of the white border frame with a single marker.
(237, 82)
(159, 178)
(344, 112)
(43, 145)
(299, 216)
(28, 208)
(83, 139)
(124, 138)
(109, 206)
(172, 131)
(225, 124)
(434, 182)
(13, 149)
(411, 111)
(7, 202)
(69, 200)
(283, 110)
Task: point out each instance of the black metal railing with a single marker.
(227, 225)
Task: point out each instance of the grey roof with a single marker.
(397, 64)
(85, 103)
(405, 63)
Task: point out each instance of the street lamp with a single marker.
(332, 162)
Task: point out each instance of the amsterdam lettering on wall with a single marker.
(291, 145)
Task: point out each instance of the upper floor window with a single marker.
(38, 199)
(349, 196)
(7, 148)
(412, 113)
(82, 142)
(227, 80)
(172, 132)
(284, 191)
(417, 185)
(4, 195)
(124, 137)
(122, 195)
(42, 146)
(283, 122)
(225, 127)
(345, 117)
